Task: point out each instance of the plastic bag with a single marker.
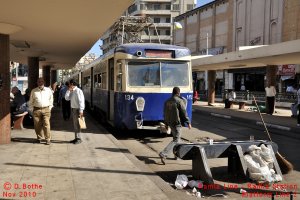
(195, 183)
(181, 181)
(81, 122)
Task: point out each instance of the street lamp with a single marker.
(177, 25)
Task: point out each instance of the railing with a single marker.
(248, 96)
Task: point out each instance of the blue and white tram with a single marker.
(129, 85)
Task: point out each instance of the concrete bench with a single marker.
(233, 150)
(241, 103)
(18, 120)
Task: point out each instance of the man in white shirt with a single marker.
(75, 95)
(41, 103)
(270, 94)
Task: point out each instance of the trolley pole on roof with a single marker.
(122, 33)
(128, 29)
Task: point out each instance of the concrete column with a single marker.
(5, 129)
(211, 77)
(33, 72)
(53, 76)
(46, 75)
(271, 74)
(270, 78)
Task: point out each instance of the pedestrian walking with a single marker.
(75, 95)
(66, 106)
(270, 94)
(41, 103)
(175, 116)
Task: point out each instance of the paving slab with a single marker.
(95, 169)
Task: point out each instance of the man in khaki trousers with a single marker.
(41, 103)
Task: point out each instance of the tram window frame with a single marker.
(175, 71)
(95, 81)
(87, 81)
(104, 80)
(165, 77)
(99, 77)
(144, 77)
(119, 76)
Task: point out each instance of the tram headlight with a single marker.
(139, 53)
(140, 103)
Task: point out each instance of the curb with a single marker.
(219, 115)
(285, 128)
(293, 132)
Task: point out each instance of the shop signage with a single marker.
(286, 70)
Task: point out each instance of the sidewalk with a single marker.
(98, 168)
(280, 120)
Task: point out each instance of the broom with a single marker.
(284, 164)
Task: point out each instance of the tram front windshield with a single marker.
(164, 74)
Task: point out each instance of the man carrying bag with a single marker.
(81, 121)
(75, 95)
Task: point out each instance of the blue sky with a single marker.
(96, 49)
(202, 2)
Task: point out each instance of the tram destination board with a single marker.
(158, 54)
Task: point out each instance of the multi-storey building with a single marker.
(207, 30)
(162, 13)
(226, 25)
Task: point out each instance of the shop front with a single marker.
(252, 79)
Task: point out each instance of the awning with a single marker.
(286, 77)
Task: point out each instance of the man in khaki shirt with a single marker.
(41, 103)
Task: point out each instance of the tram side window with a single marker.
(95, 81)
(104, 80)
(99, 78)
(119, 77)
(144, 74)
(87, 81)
(174, 73)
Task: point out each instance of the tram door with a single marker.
(111, 90)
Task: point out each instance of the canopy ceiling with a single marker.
(60, 32)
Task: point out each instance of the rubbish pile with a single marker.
(260, 165)
(182, 181)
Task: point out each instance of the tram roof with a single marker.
(59, 32)
(132, 48)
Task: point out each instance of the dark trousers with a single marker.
(12, 110)
(176, 132)
(270, 105)
(66, 109)
(77, 130)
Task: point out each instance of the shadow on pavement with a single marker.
(84, 169)
(33, 140)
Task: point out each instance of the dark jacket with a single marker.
(175, 111)
(18, 104)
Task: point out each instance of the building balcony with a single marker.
(155, 37)
(152, 12)
(163, 24)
